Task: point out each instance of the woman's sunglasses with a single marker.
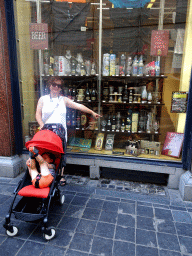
(58, 85)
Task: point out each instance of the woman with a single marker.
(52, 109)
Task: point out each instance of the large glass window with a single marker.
(126, 60)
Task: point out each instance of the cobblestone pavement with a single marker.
(106, 218)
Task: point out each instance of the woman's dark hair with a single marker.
(53, 79)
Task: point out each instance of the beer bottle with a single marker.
(87, 93)
(93, 93)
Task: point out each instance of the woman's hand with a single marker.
(95, 115)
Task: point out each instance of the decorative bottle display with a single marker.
(87, 93)
(94, 93)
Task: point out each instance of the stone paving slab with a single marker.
(103, 220)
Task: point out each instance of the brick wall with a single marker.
(6, 111)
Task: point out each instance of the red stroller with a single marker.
(34, 202)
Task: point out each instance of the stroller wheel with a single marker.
(14, 232)
(51, 234)
(62, 199)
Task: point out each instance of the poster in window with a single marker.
(159, 42)
(173, 144)
(179, 102)
(99, 141)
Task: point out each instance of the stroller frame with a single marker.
(40, 212)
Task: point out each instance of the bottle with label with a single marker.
(125, 95)
(83, 120)
(73, 66)
(118, 122)
(93, 69)
(131, 95)
(128, 121)
(108, 126)
(135, 67)
(144, 95)
(122, 65)
(129, 63)
(123, 125)
(157, 68)
(113, 124)
(135, 119)
(68, 62)
(94, 93)
(83, 71)
(140, 66)
(87, 93)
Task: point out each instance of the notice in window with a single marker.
(159, 42)
(179, 102)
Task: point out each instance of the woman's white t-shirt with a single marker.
(59, 114)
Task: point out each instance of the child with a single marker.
(47, 168)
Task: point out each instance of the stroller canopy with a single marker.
(46, 140)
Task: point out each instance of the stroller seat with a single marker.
(31, 191)
(28, 208)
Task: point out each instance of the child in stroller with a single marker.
(34, 202)
(47, 168)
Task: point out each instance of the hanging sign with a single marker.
(159, 42)
(38, 36)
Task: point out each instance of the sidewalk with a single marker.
(106, 218)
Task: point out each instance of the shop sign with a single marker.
(38, 36)
(72, 1)
(179, 102)
(159, 42)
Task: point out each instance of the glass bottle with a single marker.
(125, 95)
(128, 121)
(129, 63)
(87, 93)
(113, 124)
(108, 124)
(73, 67)
(118, 122)
(135, 67)
(131, 96)
(94, 93)
(123, 125)
(83, 72)
(93, 69)
(68, 62)
(144, 95)
(122, 65)
(140, 66)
